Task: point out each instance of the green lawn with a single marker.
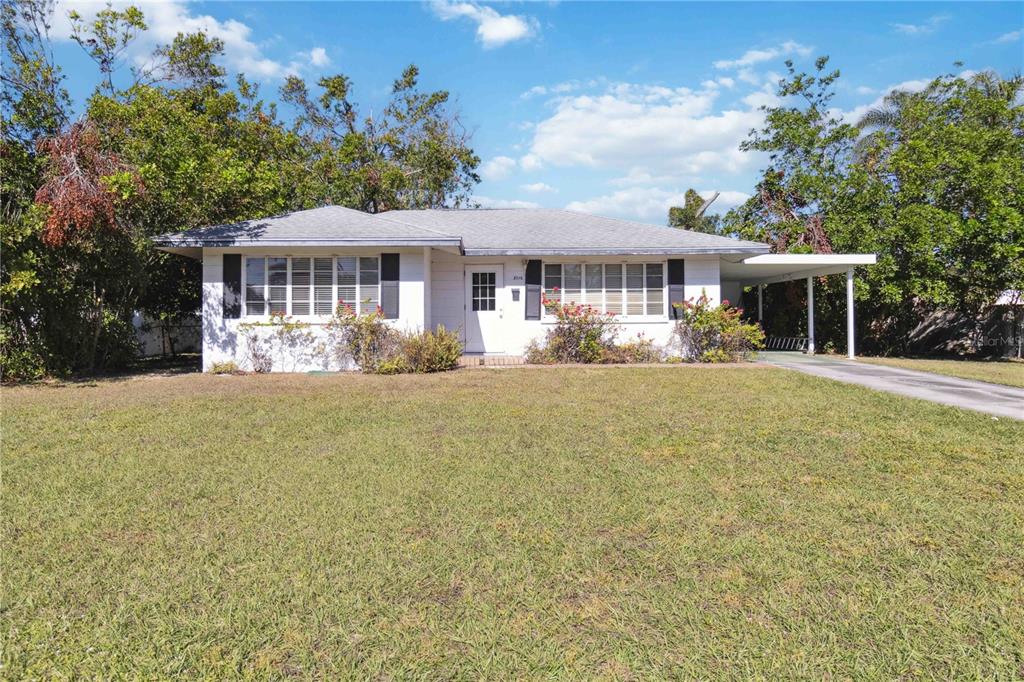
(675, 522)
(1007, 372)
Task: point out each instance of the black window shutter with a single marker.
(232, 285)
(533, 290)
(389, 285)
(676, 282)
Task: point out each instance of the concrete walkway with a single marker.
(1003, 401)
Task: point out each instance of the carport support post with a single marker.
(760, 303)
(810, 316)
(849, 313)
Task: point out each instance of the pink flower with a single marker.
(725, 301)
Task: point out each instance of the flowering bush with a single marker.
(366, 340)
(707, 333)
(581, 334)
(377, 348)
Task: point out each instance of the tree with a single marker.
(170, 148)
(416, 154)
(691, 216)
(931, 182)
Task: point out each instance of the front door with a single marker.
(484, 309)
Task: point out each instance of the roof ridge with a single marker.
(381, 216)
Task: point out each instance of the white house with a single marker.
(481, 271)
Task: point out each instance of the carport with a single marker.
(772, 268)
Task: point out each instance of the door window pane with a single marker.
(484, 291)
(255, 280)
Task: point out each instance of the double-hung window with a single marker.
(310, 286)
(629, 290)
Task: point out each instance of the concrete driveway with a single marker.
(1003, 401)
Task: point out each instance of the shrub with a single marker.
(377, 348)
(228, 367)
(640, 350)
(366, 340)
(706, 333)
(18, 360)
(581, 334)
(432, 351)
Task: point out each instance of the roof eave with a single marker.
(169, 243)
(635, 251)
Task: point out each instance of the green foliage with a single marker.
(933, 182)
(709, 333)
(181, 149)
(366, 339)
(227, 367)
(691, 216)
(375, 347)
(413, 154)
(580, 334)
(432, 351)
(638, 350)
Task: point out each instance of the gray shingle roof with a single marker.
(538, 231)
(476, 232)
(327, 226)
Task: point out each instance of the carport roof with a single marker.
(770, 268)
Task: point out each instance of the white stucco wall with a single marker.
(431, 292)
(222, 341)
(448, 296)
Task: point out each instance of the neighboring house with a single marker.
(481, 271)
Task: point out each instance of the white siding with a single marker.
(448, 296)
(701, 275)
(222, 341)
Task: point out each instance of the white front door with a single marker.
(484, 309)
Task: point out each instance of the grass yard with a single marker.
(1006, 372)
(605, 523)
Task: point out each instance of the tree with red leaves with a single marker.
(79, 185)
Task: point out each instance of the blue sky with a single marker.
(614, 108)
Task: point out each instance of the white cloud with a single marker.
(531, 162)
(927, 27)
(492, 28)
(1011, 37)
(650, 203)
(489, 202)
(865, 90)
(498, 168)
(537, 187)
(855, 114)
(751, 57)
(318, 57)
(167, 19)
(649, 128)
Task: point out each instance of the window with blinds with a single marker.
(307, 286)
(629, 290)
